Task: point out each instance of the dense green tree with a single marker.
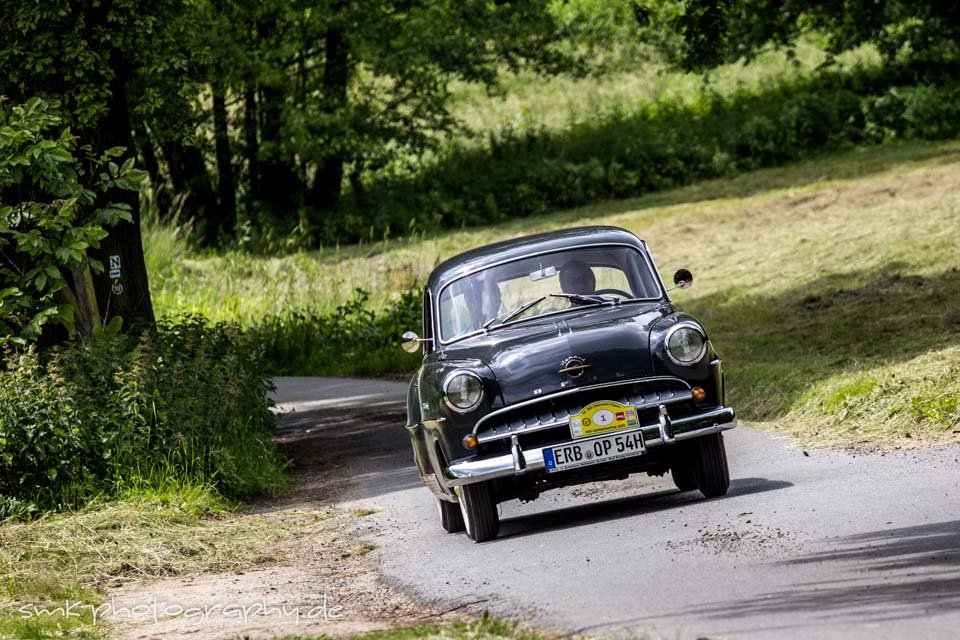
(266, 108)
(718, 31)
(334, 90)
(93, 58)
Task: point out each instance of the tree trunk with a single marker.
(328, 183)
(82, 296)
(122, 289)
(226, 185)
(252, 144)
(161, 193)
(188, 172)
(280, 187)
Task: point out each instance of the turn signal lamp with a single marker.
(470, 441)
(698, 394)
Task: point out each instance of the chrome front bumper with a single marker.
(521, 461)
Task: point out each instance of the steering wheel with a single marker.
(619, 292)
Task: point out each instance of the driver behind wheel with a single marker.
(578, 278)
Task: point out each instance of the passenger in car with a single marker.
(483, 303)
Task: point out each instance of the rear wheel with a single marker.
(479, 512)
(713, 475)
(450, 517)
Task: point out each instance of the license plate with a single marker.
(603, 417)
(594, 451)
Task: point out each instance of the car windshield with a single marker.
(561, 278)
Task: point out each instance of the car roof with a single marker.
(485, 256)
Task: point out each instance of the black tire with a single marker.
(684, 475)
(450, 517)
(713, 475)
(479, 512)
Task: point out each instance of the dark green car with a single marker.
(554, 360)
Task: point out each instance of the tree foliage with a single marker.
(340, 90)
(718, 31)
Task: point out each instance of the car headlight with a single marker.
(685, 344)
(462, 391)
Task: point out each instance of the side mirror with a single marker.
(410, 341)
(683, 279)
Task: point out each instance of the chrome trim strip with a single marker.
(643, 252)
(503, 466)
(572, 390)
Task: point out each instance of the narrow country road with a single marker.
(825, 545)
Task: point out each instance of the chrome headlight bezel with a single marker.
(685, 326)
(448, 381)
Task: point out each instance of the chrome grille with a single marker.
(557, 409)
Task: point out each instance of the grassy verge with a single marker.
(830, 286)
(483, 629)
(170, 530)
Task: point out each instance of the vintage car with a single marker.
(558, 359)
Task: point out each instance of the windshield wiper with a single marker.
(576, 297)
(579, 297)
(513, 314)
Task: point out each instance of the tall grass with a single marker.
(186, 400)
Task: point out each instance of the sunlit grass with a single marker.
(484, 629)
(530, 101)
(153, 530)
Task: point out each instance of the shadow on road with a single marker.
(351, 452)
(880, 583)
(569, 517)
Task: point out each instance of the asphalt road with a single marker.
(825, 545)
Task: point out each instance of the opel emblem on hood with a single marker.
(574, 366)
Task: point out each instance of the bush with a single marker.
(187, 399)
(353, 340)
(657, 146)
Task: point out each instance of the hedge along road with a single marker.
(817, 544)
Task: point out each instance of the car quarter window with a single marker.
(467, 303)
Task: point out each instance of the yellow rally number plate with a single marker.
(603, 417)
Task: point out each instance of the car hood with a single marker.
(526, 358)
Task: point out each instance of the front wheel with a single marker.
(450, 517)
(479, 512)
(684, 476)
(713, 475)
